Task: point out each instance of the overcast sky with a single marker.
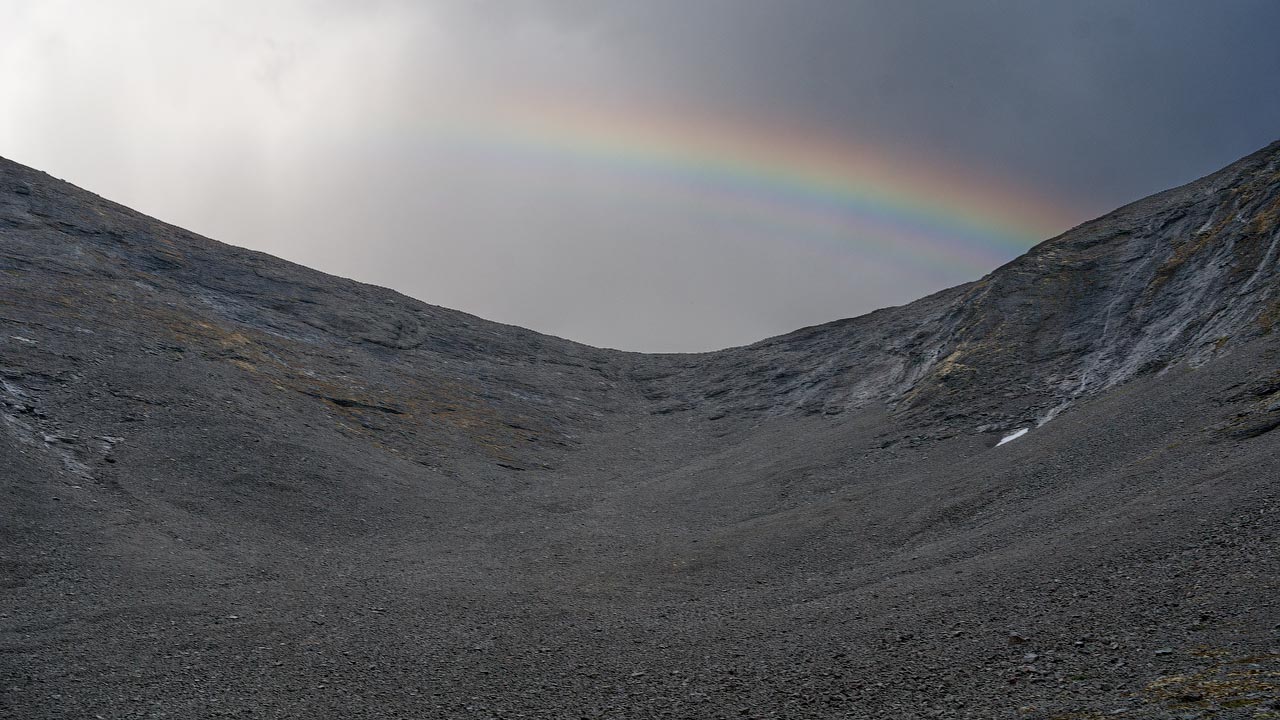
(665, 175)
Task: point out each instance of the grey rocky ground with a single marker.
(237, 487)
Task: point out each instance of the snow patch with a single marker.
(1013, 436)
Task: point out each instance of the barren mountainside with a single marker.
(234, 486)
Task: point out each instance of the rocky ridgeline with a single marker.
(1181, 276)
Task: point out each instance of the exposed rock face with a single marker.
(233, 484)
(1179, 276)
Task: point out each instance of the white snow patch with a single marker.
(1013, 436)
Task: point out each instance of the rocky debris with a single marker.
(235, 486)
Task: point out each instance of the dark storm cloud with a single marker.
(1104, 100)
(299, 128)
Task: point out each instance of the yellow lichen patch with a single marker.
(1160, 684)
(1266, 219)
(199, 332)
(233, 339)
(1225, 684)
(1186, 250)
(234, 346)
(951, 363)
(1269, 316)
(1241, 682)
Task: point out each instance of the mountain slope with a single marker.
(1179, 276)
(236, 486)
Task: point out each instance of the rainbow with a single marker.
(802, 186)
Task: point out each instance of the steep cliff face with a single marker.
(1178, 277)
(232, 482)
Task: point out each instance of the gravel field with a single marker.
(237, 487)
